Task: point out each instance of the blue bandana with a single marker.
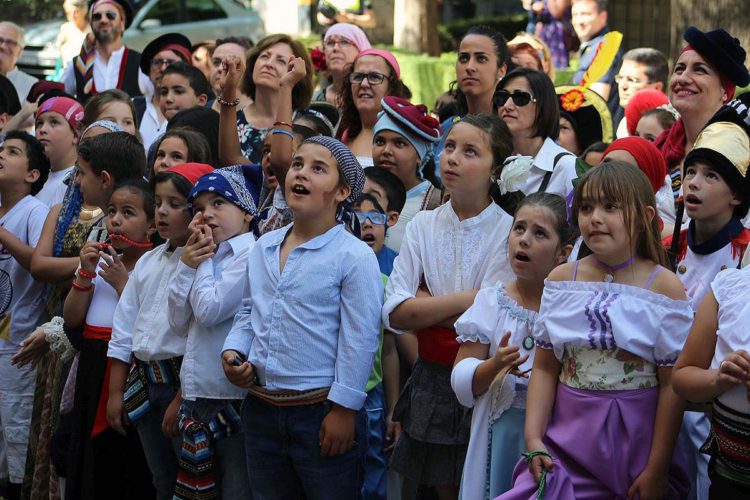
(238, 184)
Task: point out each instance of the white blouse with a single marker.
(730, 289)
(450, 255)
(561, 180)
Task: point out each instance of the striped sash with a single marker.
(144, 373)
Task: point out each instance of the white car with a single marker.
(196, 19)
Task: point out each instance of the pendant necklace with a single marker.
(611, 270)
(528, 340)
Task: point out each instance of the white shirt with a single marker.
(414, 202)
(451, 255)
(22, 82)
(665, 202)
(103, 302)
(561, 181)
(140, 326)
(22, 304)
(106, 74)
(205, 300)
(54, 189)
(730, 289)
(150, 127)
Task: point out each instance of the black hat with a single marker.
(9, 96)
(124, 4)
(723, 51)
(590, 117)
(177, 42)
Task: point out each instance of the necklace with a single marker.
(125, 239)
(528, 340)
(610, 276)
(87, 214)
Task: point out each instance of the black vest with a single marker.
(128, 83)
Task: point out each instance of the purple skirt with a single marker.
(600, 441)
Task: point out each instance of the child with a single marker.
(716, 197)
(429, 288)
(140, 329)
(114, 106)
(177, 146)
(205, 294)
(56, 127)
(403, 141)
(183, 86)
(374, 223)
(100, 457)
(610, 327)
(23, 171)
(387, 188)
(304, 341)
(713, 367)
(497, 347)
(654, 122)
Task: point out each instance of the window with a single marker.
(203, 10)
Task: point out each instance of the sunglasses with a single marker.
(520, 98)
(376, 218)
(98, 16)
(373, 77)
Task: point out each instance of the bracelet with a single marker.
(86, 274)
(286, 124)
(230, 104)
(283, 132)
(81, 288)
(528, 456)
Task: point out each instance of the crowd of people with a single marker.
(233, 270)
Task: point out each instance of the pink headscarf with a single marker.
(385, 55)
(71, 110)
(351, 32)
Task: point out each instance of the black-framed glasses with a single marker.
(9, 42)
(373, 77)
(98, 15)
(520, 98)
(376, 218)
(158, 63)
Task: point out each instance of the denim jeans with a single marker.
(373, 456)
(283, 453)
(230, 470)
(161, 452)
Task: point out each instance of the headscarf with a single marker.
(351, 32)
(70, 109)
(111, 126)
(641, 102)
(191, 171)
(238, 184)
(648, 157)
(390, 58)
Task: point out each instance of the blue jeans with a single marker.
(229, 465)
(373, 456)
(283, 453)
(161, 452)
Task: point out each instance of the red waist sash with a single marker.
(437, 345)
(100, 420)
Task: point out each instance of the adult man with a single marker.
(641, 68)
(589, 18)
(230, 46)
(104, 62)
(157, 55)
(11, 46)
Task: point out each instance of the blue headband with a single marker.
(238, 184)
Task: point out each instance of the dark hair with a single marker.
(597, 147)
(556, 204)
(302, 91)
(35, 157)
(368, 197)
(350, 121)
(118, 153)
(302, 132)
(657, 66)
(625, 185)
(547, 119)
(664, 117)
(601, 5)
(180, 183)
(391, 184)
(501, 52)
(243, 41)
(195, 77)
(94, 106)
(445, 106)
(139, 186)
(204, 121)
(198, 149)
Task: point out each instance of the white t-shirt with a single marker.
(54, 189)
(22, 304)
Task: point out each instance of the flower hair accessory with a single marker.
(318, 60)
(514, 173)
(671, 109)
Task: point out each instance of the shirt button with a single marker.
(681, 269)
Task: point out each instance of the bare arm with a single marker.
(45, 267)
(407, 347)
(422, 312)
(115, 404)
(539, 403)
(229, 141)
(282, 146)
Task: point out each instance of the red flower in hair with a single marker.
(318, 59)
(429, 121)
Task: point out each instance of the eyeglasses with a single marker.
(98, 16)
(158, 63)
(627, 79)
(373, 77)
(520, 98)
(10, 43)
(376, 218)
(342, 42)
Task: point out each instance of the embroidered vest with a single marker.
(127, 80)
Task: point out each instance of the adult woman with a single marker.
(529, 51)
(341, 44)
(375, 74)
(528, 103)
(266, 63)
(698, 88)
